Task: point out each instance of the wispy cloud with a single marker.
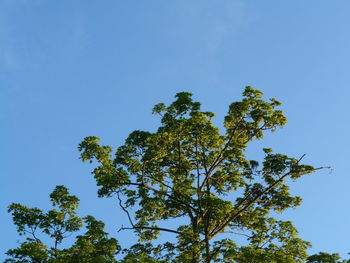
(225, 23)
(211, 23)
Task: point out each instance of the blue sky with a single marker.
(71, 69)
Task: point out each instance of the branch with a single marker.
(215, 252)
(188, 207)
(32, 233)
(244, 208)
(124, 209)
(140, 227)
(236, 233)
(226, 145)
(199, 195)
(207, 172)
(218, 161)
(151, 228)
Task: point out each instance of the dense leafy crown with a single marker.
(188, 180)
(188, 169)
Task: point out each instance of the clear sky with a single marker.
(71, 69)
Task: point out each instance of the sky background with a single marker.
(71, 69)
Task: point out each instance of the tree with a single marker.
(188, 180)
(57, 224)
(187, 169)
(323, 257)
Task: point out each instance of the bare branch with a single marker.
(124, 209)
(236, 233)
(151, 228)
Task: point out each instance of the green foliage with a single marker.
(323, 257)
(59, 223)
(188, 169)
(187, 179)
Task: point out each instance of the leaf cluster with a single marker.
(58, 224)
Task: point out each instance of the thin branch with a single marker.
(218, 161)
(124, 209)
(207, 172)
(151, 228)
(237, 233)
(187, 206)
(226, 145)
(140, 227)
(33, 234)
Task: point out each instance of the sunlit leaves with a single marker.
(58, 224)
(323, 257)
(29, 251)
(188, 169)
(190, 180)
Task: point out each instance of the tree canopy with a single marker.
(57, 224)
(188, 179)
